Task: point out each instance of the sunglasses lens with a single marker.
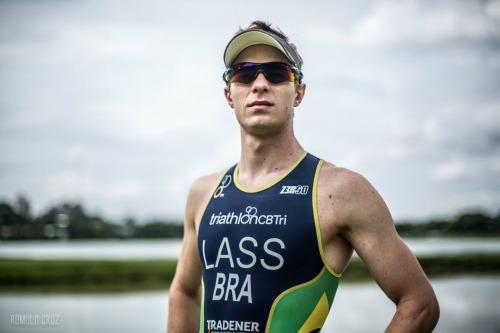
(243, 75)
(275, 72)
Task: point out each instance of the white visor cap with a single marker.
(255, 37)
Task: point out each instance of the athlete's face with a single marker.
(261, 107)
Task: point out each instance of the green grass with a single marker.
(85, 276)
(110, 276)
(437, 266)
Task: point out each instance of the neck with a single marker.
(267, 156)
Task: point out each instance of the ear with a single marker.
(300, 90)
(227, 94)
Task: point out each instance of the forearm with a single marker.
(414, 316)
(183, 312)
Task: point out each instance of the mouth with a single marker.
(260, 103)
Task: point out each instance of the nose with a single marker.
(260, 83)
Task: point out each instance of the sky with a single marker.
(119, 104)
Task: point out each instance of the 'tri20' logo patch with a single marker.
(296, 189)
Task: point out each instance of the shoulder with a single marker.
(343, 182)
(199, 194)
(347, 195)
(204, 184)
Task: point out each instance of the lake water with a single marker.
(468, 304)
(170, 249)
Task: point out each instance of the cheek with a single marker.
(237, 97)
(238, 102)
(290, 98)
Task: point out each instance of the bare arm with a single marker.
(367, 225)
(184, 294)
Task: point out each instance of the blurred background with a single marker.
(110, 109)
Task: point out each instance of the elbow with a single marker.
(420, 314)
(429, 313)
(434, 311)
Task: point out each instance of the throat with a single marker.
(264, 173)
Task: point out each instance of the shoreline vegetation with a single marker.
(69, 220)
(95, 276)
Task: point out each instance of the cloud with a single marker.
(122, 107)
(428, 23)
(450, 170)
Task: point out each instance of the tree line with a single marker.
(471, 224)
(69, 220)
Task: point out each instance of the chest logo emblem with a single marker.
(219, 192)
(295, 189)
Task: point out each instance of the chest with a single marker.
(257, 231)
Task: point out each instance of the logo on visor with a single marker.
(219, 192)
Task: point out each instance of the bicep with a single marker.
(391, 263)
(188, 271)
(373, 235)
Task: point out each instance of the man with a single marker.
(265, 242)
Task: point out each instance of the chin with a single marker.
(264, 128)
